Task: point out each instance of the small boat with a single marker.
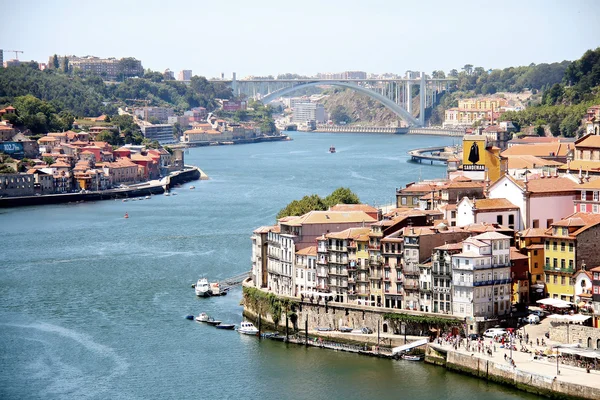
(225, 326)
(332, 149)
(203, 317)
(147, 197)
(190, 317)
(167, 194)
(124, 200)
(215, 290)
(126, 215)
(202, 288)
(192, 187)
(247, 328)
(174, 193)
(212, 321)
(410, 357)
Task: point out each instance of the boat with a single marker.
(203, 317)
(174, 193)
(147, 197)
(202, 288)
(410, 357)
(126, 215)
(247, 328)
(215, 290)
(167, 194)
(190, 317)
(332, 149)
(346, 329)
(124, 200)
(212, 321)
(225, 326)
(192, 187)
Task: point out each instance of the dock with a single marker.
(433, 154)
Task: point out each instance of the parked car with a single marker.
(474, 336)
(533, 319)
(345, 329)
(493, 332)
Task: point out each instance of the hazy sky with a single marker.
(262, 37)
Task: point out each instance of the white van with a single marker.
(493, 332)
(533, 319)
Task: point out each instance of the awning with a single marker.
(577, 318)
(555, 303)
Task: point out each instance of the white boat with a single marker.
(147, 197)
(167, 194)
(247, 328)
(174, 193)
(192, 187)
(203, 317)
(202, 288)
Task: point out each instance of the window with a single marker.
(582, 208)
(583, 194)
(562, 263)
(595, 195)
(548, 261)
(555, 263)
(570, 247)
(595, 208)
(571, 281)
(535, 253)
(547, 278)
(570, 264)
(415, 200)
(511, 220)
(562, 246)
(499, 219)
(549, 223)
(555, 279)
(562, 280)
(536, 223)
(547, 245)
(554, 245)
(403, 201)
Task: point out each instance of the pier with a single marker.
(431, 154)
(437, 132)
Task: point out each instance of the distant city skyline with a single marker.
(270, 37)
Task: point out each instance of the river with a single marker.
(93, 304)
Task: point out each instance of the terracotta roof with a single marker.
(491, 236)
(464, 184)
(588, 219)
(551, 184)
(494, 204)
(450, 246)
(584, 165)
(539, 150)
(418, 188)
(571, 221)
(539, 139)
(529, 161)
(586, 273)
(595, 269)
(595, 184)
(588, 141)
(308, 251)
(330, 217)
(351, 233)
(516, 255)
(263, 229)
(533, 232)
(354, 207)
(60, 164)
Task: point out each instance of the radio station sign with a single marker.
(12, 149)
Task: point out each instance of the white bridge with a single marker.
(396, 94)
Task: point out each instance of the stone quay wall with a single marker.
(504, 374)
(586, 336)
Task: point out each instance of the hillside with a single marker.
(359, 109)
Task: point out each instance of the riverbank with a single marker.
(528, 374)
(190, 173)
(260, 139)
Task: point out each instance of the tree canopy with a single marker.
(315, 203)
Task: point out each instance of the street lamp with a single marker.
(557, 370)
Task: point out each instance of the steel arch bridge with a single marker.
(395, 94)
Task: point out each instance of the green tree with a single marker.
(341, 195)
(340, 115)
(55, 62)
(65, 65)
(48, 160)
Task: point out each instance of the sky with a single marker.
(264, 37)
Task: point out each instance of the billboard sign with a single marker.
(474, 155)
(12, 148)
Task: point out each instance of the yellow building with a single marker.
(479, 158)
(486, 103)
(531, 242)
(359, 271)
(570, 245)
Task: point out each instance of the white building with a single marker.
(184, 75)
(304, 112)
(280, 261)
(491, 211)
(481, 277)
(306, 270)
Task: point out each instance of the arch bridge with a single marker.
(397, 94)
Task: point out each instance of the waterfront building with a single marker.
(392, 250)
(558, 151)
(375, 266)
(419, 243)
(259, 256)
(305, 112)
(533, 195)
(425, 286)
(17, 184)
(441, 277)
(306, 270)
(162, 133)
(280, 259)
(500, 211)
(43, 181)
(596, 295)
(481, 277)
(583, 288)
(519, 274)
(531, 243)
(571, 244)
(410, 195)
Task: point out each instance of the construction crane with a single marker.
(14, 51)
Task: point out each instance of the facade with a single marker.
(392, 251)
(588, 198)
(441, 277)
(492, 211)
(107, 67)
(531, 243)
(259, 256)
(306, 270)
(162, 133)
(17, 184)
(305, 112)
(596, 295)
(519, 273)
(481, 277)
(570, 245)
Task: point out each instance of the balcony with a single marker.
(375, 276)
(459, 283)
(351, 267)
(550, 268)
(411, 270)
(351, 280)
(362, 279)
(338, 248)
(338, 272)
(440, 272)
(322, 274)
(386, 278)
(411, 286)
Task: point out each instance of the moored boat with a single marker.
(203, 317)
(202, 288)
(247, 328)
(225, 326)
(190, 317)
(212, 321)
(332, 149)
(410, 357)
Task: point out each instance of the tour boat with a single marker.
(192, 187)
(225, 326)
(203, 317)
(410, 357)
(202, 288)
(126, 215)
(247, 328)
(332, 149)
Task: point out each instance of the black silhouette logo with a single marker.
(474, 153)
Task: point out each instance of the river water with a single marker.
(92, 305)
